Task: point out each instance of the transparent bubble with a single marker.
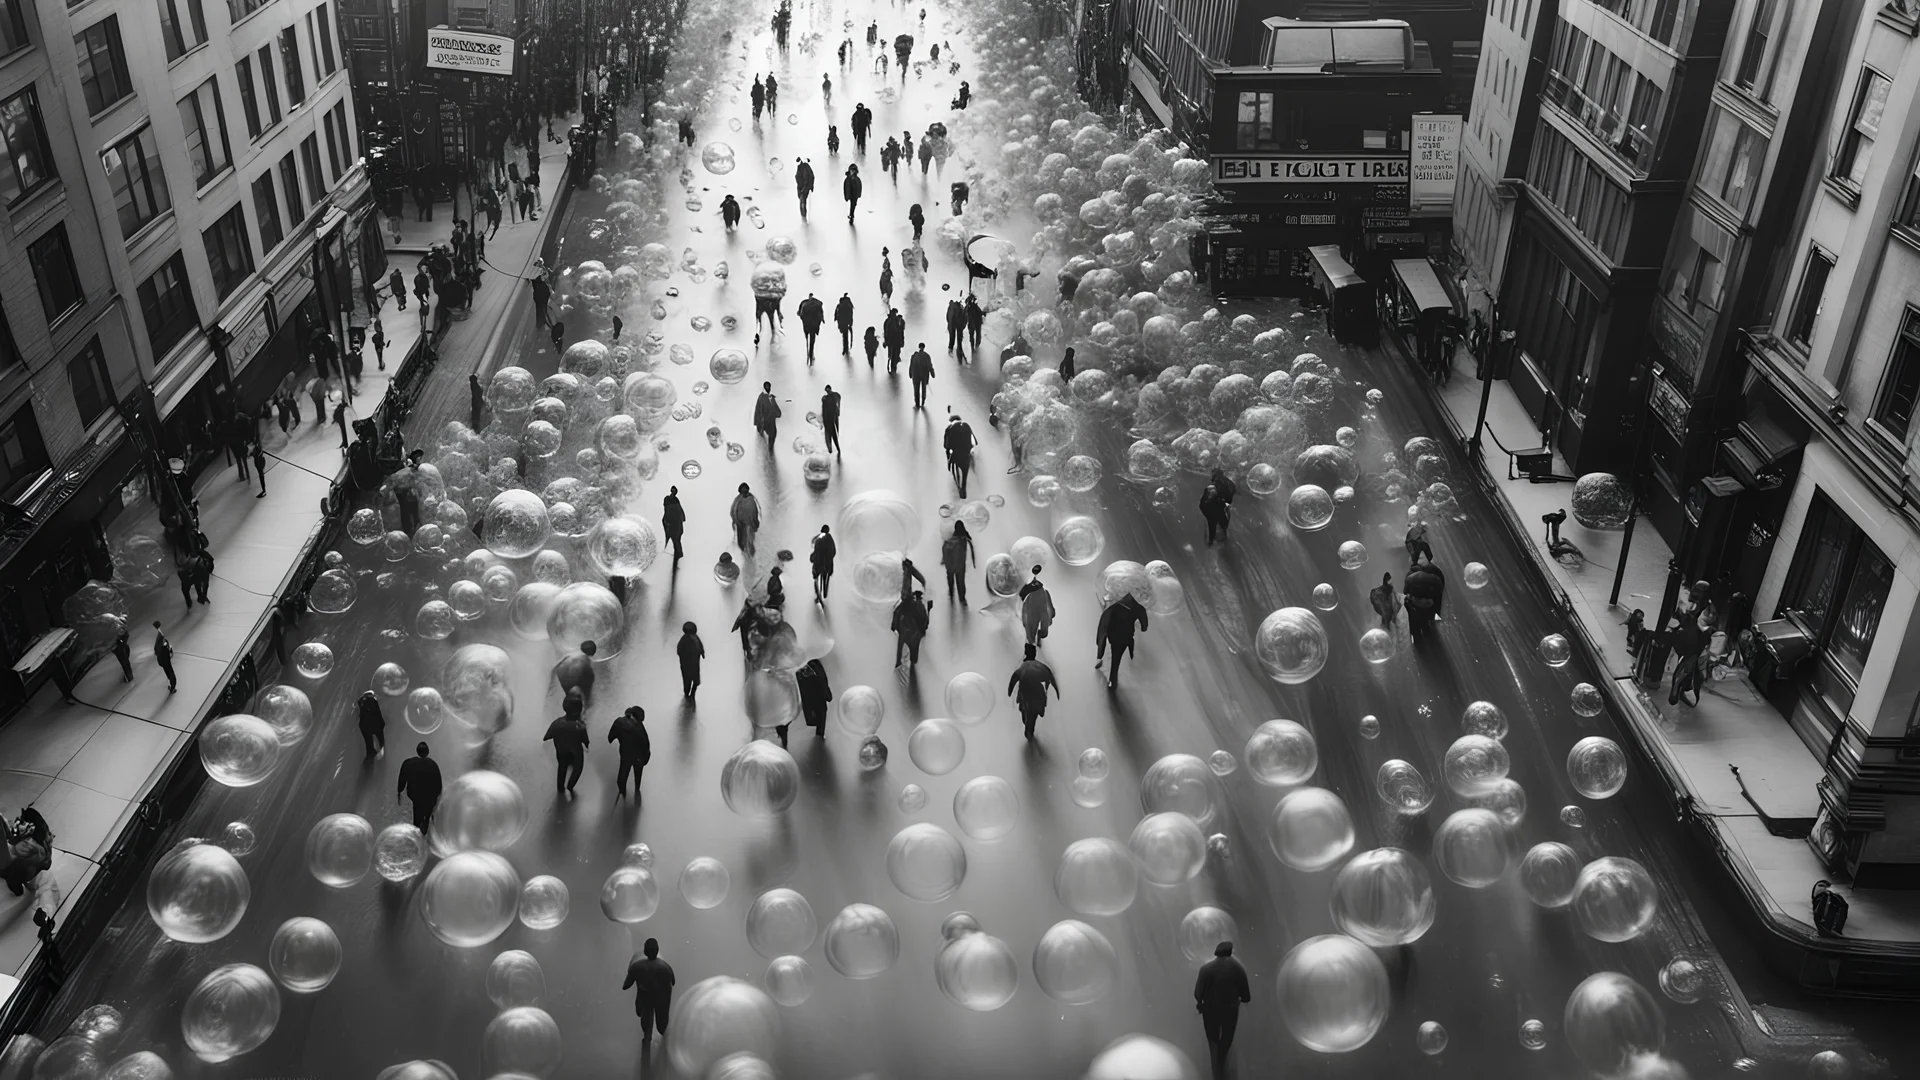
(365, 527)
(1383, 897)
(1169, 848)
(780, 921)
(623, 546)
(704, 882)
(340, 849)
(304, 955)
(238, 838)
(332, 592)
(1202, 929)
(1353, 555)
(878, 521)
(1549, 872)
(523, 1041)
(1533, 1035)
(1291, 644)
(587, 611)
(1141, 1057)
(861, 710)
(516, 524)
(1043, 490)
(760, 779)
(1263, 479)
(926, 863)
(1597, 767)
(1401, 787)
(1682, 980)
(876, 577)
(515, 980)
(1004, 575)
(434, 621)
(936, 747)
(718, 158)
(1473, 847)
(1555, 650)
(1506, 798)
(1376, 646)
(467, 599)
(233, 1010)
(1311, 829)
(977, 971)
(986, 808)
(1180, 783)
(1088, 793)
(239, 750)
(197, 893)
(1223, 763)
(1369, 727)
(286, 709)
(1474, 763)
(1573, 817)
(1333, 993)
(1092, 764)
(425, 709)
(1475, 575)
(1309, 508)
(1610, 1019)
(1587, 700)
(1075, 964)
(313, 660)
(970, 697)
(1281, 753)
(862, 942)
(1615, 899)
(544, 903)
(630, 895)
(400, 852)
(735, 451)
(479, 811)
(1484, 718)
(1325, 598)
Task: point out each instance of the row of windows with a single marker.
(1581, 189)
(1658, 19)
(23, 452)
(104, 81)
(1605, 95)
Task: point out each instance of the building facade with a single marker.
(199, 212)
(1841, 349)
(1496, 143)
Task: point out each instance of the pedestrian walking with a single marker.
(380, 343)
(542, 292)
(1417, 545)
(920, 373)
(862, 123)
(773, 91)
(1067, 370)
(340, 421)
(1036, 609)
(163, 655)
(957, 328)
(843, 321)
(833, 140)
(850, 187)
(821, 559)
(926, 154)
(1689, 641)
(574, 672)
(317, 391)
(422, 285)
(420, 782)
(917, 217)
(1386, 603)
(1425, 588)
(872, 345)
(687, 134)
(730, 212)
(976, 321)
(373, 724)
(886, 279)
(813, 315)
(1028, 687)
(830, 418)
(959, 441)
(651, 980)
(476, 401)
(910, 621)
(803, 184)
(1213, 509)
(776, 590)
(956, 553)
(1118, 621)
(559, 337)
(894, 329)
(826, 82)
(691, 651)
(397, 285)
(1218, 992)
(766, 412)
(745, 514)
(636, 749)
(568, 734)
(759, 96)
(123, 652)
(673, 518)
(260, 467)
(815, 695)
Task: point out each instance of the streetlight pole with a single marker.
(1489, 369)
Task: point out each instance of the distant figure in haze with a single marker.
(1386, 603)
(745, 514)
(651, 980)
(824, 549)
(575, 671)
(673, 518)
(1028, 687)
(420, 781)
(955, 553)
(1218, 993)
(373, 724)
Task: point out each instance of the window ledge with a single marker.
(200, 192)
(267, 133)
(1842, 190)
(185, 56)
(1907, 235)
(14, 56)
(54, 324)
(1899, 18)
(101, 117)
(145, 236)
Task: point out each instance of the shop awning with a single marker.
(181, 377)
(1334, 270)
(44, 648)
(1422, 284)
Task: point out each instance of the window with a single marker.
(13, 26)
(1755, 50)
(53, 271)
(206, 126)
(1856, 143)
(1837, 588)
(320, 28)
(333, 148)
(267, 209)
(1700, 285)
(103, 65)
(1732, 164)
(249, 99)
(1254, 130)
(1581, 190)
(92, 385)
(1908, 214)
(269, 90)
(346, 136)
(1813, 288)
(290, 185)
(310, 164)
(138, 182)
(229, 255)
(166, 302)
(1900, 387)
(290, 57)
(29, 163)
(240, 9)
(183, 26)
(23, 456)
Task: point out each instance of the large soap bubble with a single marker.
(1602, 501)
(434, 621)
(977, 971)
(234, 1009)
(1610, 1019)
(1004, 575)
(1202, 929)
(511, 389)
(779, 922)
(760, 779)
(720, 1017)
(1682, 980)
(1180, 783)
(1079, 540)
(986, 808)
(313, 660)
(1096, 876)
(1333, 993)
(936, 747)
(1615, 899)
(476, 685)
(521, 1041)
(1281, 753)
(1141, 1057)
(789, 980)
(587, 611)
(470, 898)
(544, 903)
(1124, 578)
(531, 607)
(1309, 508)
(418, 1070)
(516, 524)
(1291, 644)
(1383, 897)
(304, 954)
(704, 882)
(622, 546)
(288, 709)
(718, 158)
(861, 711)
(630, 895)
(197, 893)
(1597, 767)
(878, 521)
(480, 811)
(1401, 786)
(862, 942)
(400, 852)
(1169, 847)
(970, 697)
(926, 862)
(1549, 872)
(1474, 764)
(1473, 847)
(340, 849)
(239, 750)
(1311, 829)
(332, 592)
(1074, 963)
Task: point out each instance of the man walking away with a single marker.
(745, 513)
(824, 549)
(957, 328)
(1386, 603)
(673, 519)
(1117, 625)
(476, 401)
(813, 315)
(816, 693)
(163, 655)
(1213, 509)
(636, 749)
(397, 284)
(976, 321)
(830, 419)
(956, 551)
(691, 651)
(850, 187)
(843, 320)
(123, 652)
(574, 672)
(1028, 688)
(766, 412)
(1218, 993)
(910, 623)
(803, 183)
(542, 292)
(651, 980)
(420, 781)
(920, 372)
(373, 724)
(260, 467)
(568, 734)
(1036, 609)
(959, 442)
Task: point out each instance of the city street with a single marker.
(1492, 962)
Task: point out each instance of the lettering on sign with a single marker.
(466, 51)
(1436, 159)
(1314, 219)
(1310, 170)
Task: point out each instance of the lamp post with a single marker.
(1490, 369)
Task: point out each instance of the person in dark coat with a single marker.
(1213, 508)
(843, 321)
(1425, 589)
(976, 321)
(476, 401)
(766, 412)
(920, 373)
(821, 558)
(1386, 603)
(636, 749)
(1117, 625)
(862, 123)
(1067, 370)
(651, 980)
(1028, 687)
(123, 652)
(691, 651)
(673, 519)
(163, 655)
(373, 724)
(872, 344)
(420, 781)
(850, 187)
(815, 694)
(918, 219)
(568, 734)
(776, 589)
(910, 623)
(1688, 641)
(1218, 992)
(730, 212)
(397, 284)
(893, 333)
(959, 441)
(830, 418)
(955, 553)
(574, 672)
(957, 328)
(813, 315)
(260, 467)
(803, 185)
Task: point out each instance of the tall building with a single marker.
(1839, 348)
(1496, 142)
(185, 189)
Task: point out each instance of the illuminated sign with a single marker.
(463, 50)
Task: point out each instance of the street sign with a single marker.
(468, 52)
(1436, 159)
(1327, 169)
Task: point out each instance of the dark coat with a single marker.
(631, 734)
(1119, 620)
(815, 691)
(910, 619)
(569, 738)
(371, 718)
(672, 517)
(651, 980)
(1029, 686)
(1221, 986)
(420, 779)
(824, 549)
(691, 651)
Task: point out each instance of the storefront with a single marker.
(1415, 306)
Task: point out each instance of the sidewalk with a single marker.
(1694, 747)
(89, 765)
